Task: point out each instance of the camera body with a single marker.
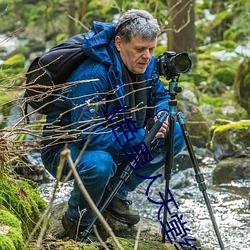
(171, 65)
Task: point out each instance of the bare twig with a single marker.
(66, 154)
(137, 236)
(46, 216)
(77, 21)
(99, 238)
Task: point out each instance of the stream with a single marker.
(230, 204)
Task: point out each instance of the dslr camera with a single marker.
(171, 65)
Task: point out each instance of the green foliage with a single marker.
(229, 23)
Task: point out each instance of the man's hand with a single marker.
(164, 128)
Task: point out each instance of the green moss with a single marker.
(16, 237)
(235, 125)
(13, 239)
(6, 243)
(128, 244)
(239, 128)
(16, 61)
(22, 200)
(225, 75)
(212, 100)
(9, 219)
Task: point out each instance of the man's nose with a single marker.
(146, 54)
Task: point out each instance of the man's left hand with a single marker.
(164, 128)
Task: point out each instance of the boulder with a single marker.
(231, 139)
(150, 234)
(231, 169)
(197, 125)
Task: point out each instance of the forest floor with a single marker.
(149, 236)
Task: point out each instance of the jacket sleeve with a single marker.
(88, 112)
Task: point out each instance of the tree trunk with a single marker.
(83, 7)
(181, 27)
(71, 6)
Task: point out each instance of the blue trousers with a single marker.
(99, 170)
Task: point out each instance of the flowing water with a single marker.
(230, 204)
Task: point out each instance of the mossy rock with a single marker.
(11, 237)
(231, 139)
(21, 199)
(219, 107)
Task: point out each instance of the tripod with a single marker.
(173, 90)
(169, 163)
(127, 171)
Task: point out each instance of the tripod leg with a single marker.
(199, 176)
(169, 163)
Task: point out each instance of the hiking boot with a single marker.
(121, 211)
(75, 231)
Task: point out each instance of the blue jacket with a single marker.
(89, 102)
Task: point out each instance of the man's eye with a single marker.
(139, 50)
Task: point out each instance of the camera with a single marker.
(171, 65)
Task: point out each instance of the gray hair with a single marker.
(137, 22)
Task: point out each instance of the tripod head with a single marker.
(174, 89)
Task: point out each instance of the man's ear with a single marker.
(118, 42)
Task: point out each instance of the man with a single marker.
(121, 70)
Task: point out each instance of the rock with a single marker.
(231, 169)
(232, 139)
(197, 125)
(149, 237)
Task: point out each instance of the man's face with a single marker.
(137, 53)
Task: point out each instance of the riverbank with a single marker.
(229, 202)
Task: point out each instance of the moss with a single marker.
(236, 125)
(6, 243)
(220, 132)
(225, 75)
(16, 237)
(128, 244)
(13, 239)
(212, 100)
(22, 200)
(16, 61)
(13, 70)
(9, 219)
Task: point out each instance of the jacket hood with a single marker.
(98, 42)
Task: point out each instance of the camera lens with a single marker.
(182, 63)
